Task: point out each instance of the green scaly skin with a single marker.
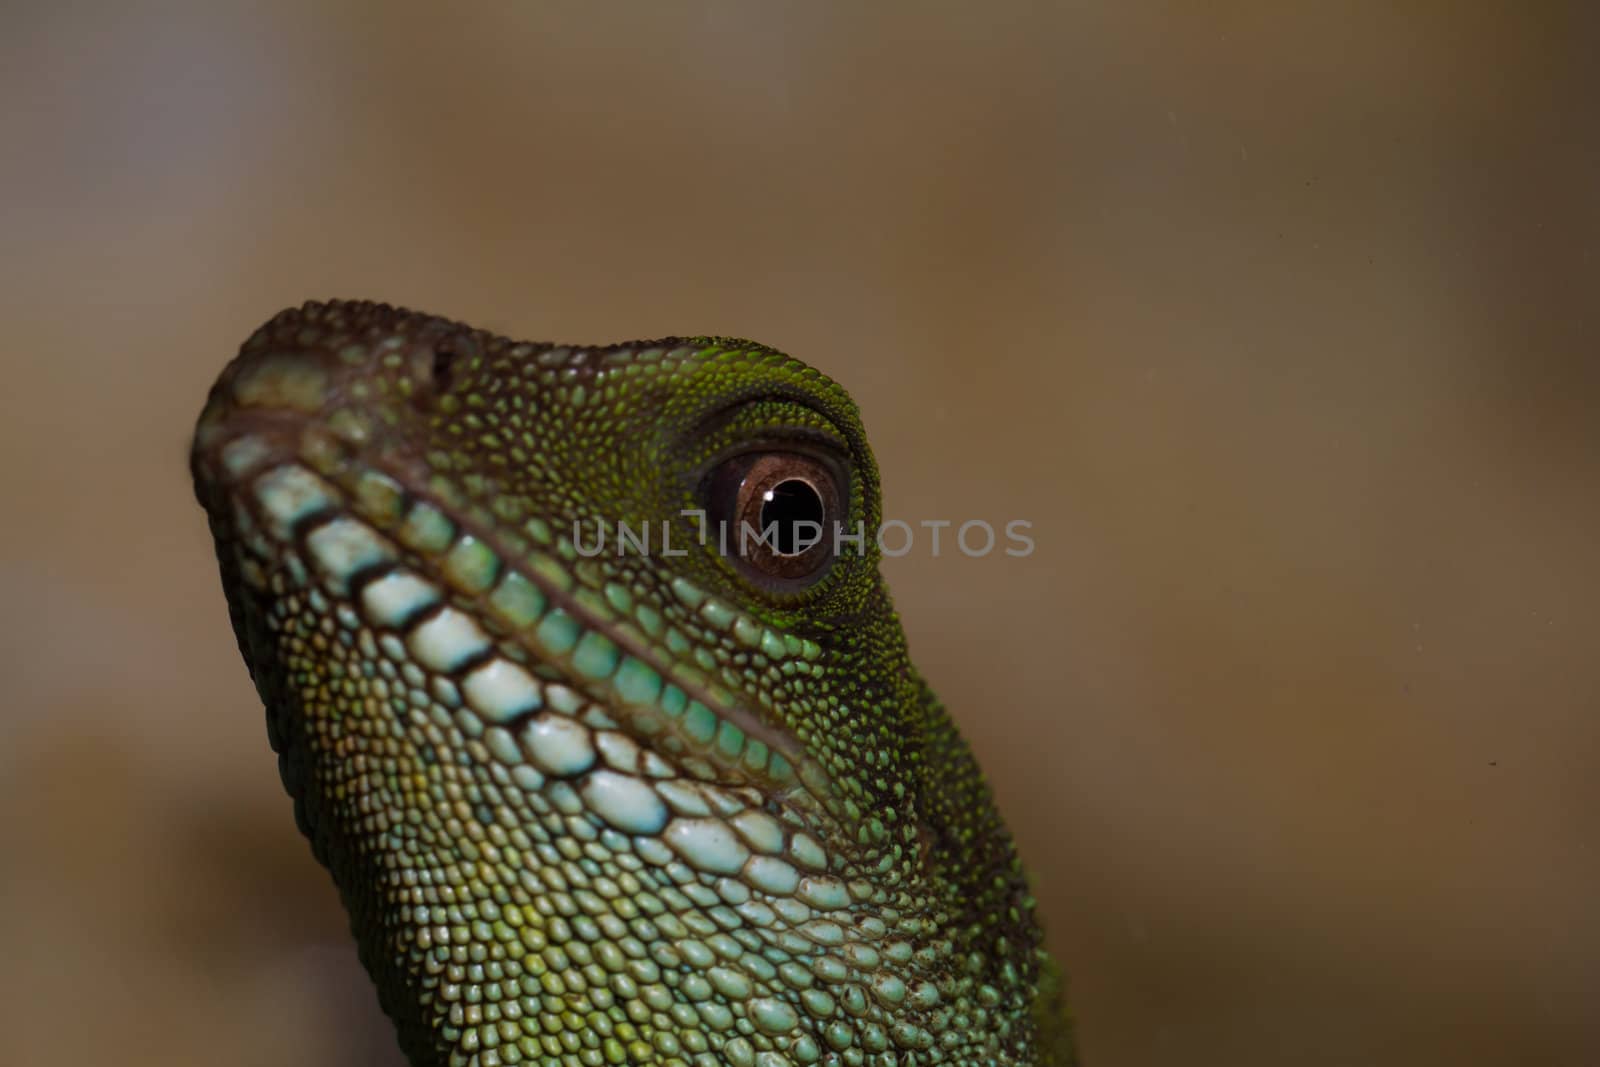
(636, 808)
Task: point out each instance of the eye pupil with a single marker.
(786, 504)
(776, 515)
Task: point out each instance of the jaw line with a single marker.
(279, 446)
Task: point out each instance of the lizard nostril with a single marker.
(440, 361)
(445, 355)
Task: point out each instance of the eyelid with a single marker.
(805, 440)
(720, 417)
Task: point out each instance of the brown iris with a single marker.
(775, 514)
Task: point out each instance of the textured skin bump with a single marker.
(621, 808)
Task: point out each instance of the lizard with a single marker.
(678, 799)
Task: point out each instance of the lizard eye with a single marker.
(774, 514)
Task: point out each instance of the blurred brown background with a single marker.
(1280, 327)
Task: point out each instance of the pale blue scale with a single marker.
(502, 746)
(824, 893)
(652, 850)
(830, 969)
(760, 831)
(707, 845)
(565, 799)
(804, 850)
(889, 988)
(734, 892)
(564, 699)
(684, 798)
(725, 803)
(446, 640)
(527, 778)
(594, 716)
(471, 726)
(501, 690)
(625, 802)
(791, 911)
(771, 874)
(397, 596)
(730, 983)
(865, 957)
(344, 546)
(618, 750)
(445, 692)
(654, 766)
(695, 953)
(823, 932)
(773, 1016)
(558, 745)
(756, 913)
(819, 1003)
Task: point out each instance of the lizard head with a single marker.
(588, 691)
